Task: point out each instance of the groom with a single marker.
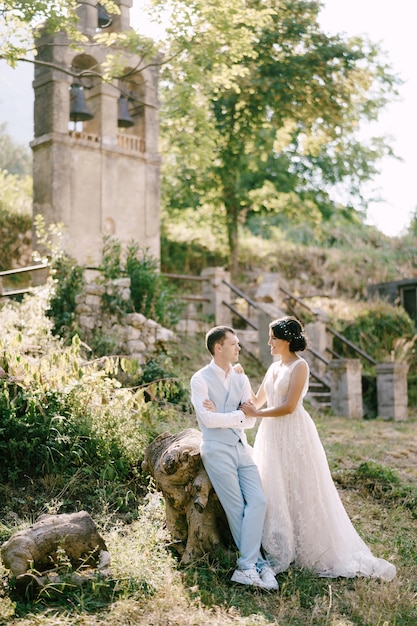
(227, 456)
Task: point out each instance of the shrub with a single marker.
(151, 294)
(40, 433)
(376, 330)
(15, 233)
(58, 414)
(68, 283)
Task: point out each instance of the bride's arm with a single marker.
(259, 398)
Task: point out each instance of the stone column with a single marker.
(346, 387)
(121, 22)
(392, 392)
(264, 319)
(216, 293)
(317, 338)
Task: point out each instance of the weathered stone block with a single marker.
(94, 289)
(136, 347)
(87, 322)
(93, 301)
(132, 333)
(135, 319)
(164, 334)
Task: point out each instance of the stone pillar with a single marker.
(346, 387)
(216, 293)
(392, 392)
(121, 22)
(317, 338)
(268, 289)
(102, 103)
(264, 351)
(88, 16)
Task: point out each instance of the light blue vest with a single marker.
(225, 402)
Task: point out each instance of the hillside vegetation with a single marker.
(336, 258)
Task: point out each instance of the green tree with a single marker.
(22, 21)
(15, 194)
(15, 217)
(14, 158)
(261, 110)
(15, 200)
(19, 20)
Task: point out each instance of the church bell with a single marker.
(79, 111)
(103, 20)
(124, 119)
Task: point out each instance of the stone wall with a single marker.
(134, 335)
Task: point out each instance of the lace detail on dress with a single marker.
(306, 522)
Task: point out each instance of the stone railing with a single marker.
(344, 376)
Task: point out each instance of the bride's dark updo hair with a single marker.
(291, 330)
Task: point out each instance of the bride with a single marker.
(306, 522)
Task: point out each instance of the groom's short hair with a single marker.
(217, 335)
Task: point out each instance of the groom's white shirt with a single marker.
(210, 419)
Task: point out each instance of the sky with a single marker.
(391, 24)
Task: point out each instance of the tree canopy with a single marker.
(14, 158)
(19, 19)
(21, 22)
(261, 110)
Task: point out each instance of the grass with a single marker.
(147, 586)
(374, 464)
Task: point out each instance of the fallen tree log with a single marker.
(194, 516)
(43, 546)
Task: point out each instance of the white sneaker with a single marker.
(268, 578)
(248, 577)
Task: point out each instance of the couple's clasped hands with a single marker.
(248, 408)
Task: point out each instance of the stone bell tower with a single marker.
(95, 152)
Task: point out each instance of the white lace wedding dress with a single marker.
(306, 522)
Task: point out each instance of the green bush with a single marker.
(151, 294)
(160, 382)
(377, 329)
(61, 414)
(39, 434)
(91, 422)
(13, 229)
(188, 257)
(68, 283)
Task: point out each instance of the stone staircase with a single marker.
(319, 393)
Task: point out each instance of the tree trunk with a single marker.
(232, 213)
(194, 516)
(234, 247)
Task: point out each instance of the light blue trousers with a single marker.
(236, 481)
